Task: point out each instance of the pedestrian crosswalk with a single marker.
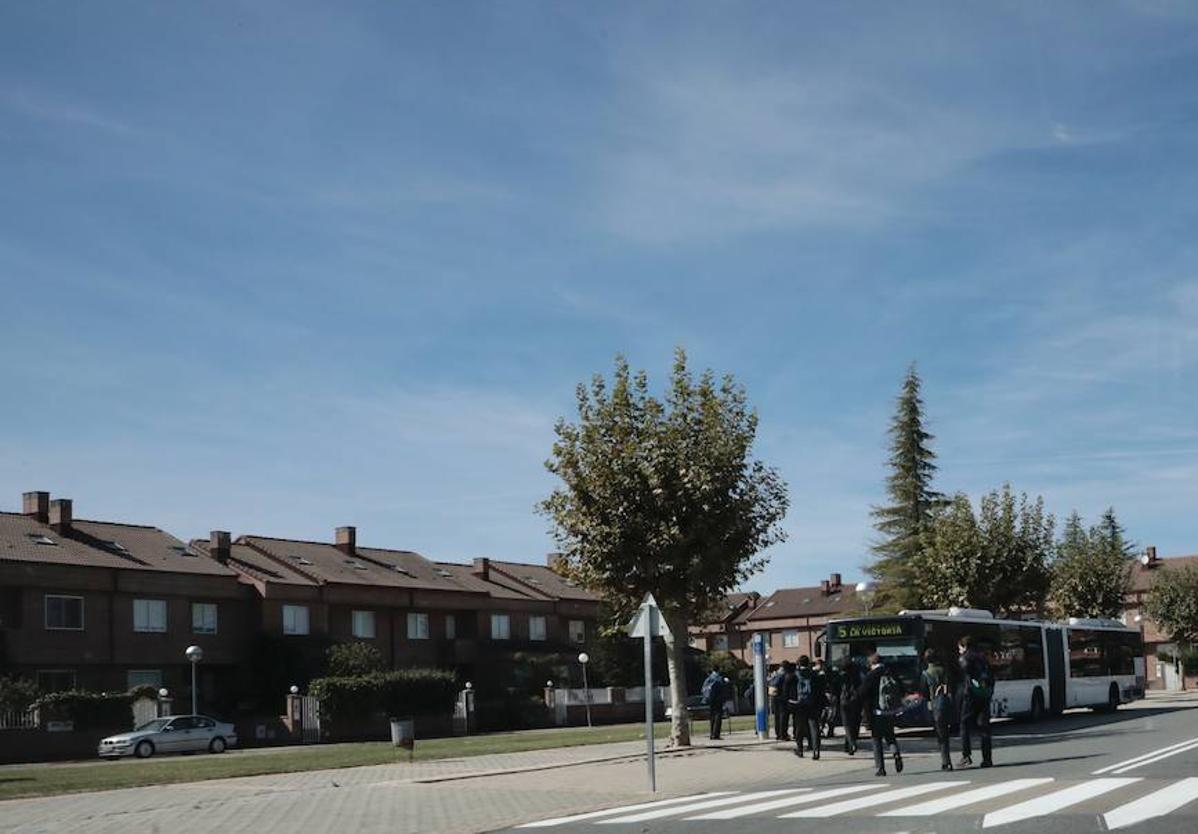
(1114, 802)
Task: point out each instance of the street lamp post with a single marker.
(865, 590)
(194, 654)
(584, 658)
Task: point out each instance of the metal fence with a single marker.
(19, 719)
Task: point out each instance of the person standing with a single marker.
(805, 695)
(714, 694)
(881, 696)
(850, 706)
(830, 684)
(777, 693)
(976, 692)
(934, 686)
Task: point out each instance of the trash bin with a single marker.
(403, 732)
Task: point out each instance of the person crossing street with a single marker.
(805, 695)
(976, 691)
(934, 686)
(881, 695)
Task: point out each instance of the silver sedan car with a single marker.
(171, 734)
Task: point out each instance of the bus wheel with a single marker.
(1112, 700)
(1037, 713)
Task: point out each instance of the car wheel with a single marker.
(217, 745)
(144, 749)
(1037, 713)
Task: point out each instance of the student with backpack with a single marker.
(850, 706)
(805, 695)
(881, 694)
(977, 690)
(934, 686)
(713, 694)
(829, 676)
(778, 703)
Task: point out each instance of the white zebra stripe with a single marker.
(1055, 801)
(869, 801)
(1155, 804)
(948, 803)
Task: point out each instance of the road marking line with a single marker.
(621, 810)
(867, 801)
(695, 806)
(775, 804)
(948, 803)
(1178, 751)
(1156, 804)
(1142, 756)
(1055, 801)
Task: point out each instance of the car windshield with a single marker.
(153, 726)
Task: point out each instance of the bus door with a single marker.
(1056, 669)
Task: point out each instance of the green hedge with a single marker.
(88, 710)
(399, 693)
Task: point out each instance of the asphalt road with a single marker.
(1134, 770)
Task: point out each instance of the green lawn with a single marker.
(42, 780)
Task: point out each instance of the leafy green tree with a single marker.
(912, 501)
(1092, 570)
(997, 559)
(1173, 603)
(663, 497)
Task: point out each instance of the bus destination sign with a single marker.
(872, 630)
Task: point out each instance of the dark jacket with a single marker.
(974, 666)
(777, 681)
(850, 683)
(716, 694)
(867, 693)
(817, 688)
(934, 685)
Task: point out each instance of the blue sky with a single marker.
(276, 267)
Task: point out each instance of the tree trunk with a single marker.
(680, 734)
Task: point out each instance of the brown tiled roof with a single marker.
(100, 544)
(325, 562)
(540, 579)
(1142, 577)
(465, 576)
(806, 602)
(245, 559)
(734, 608)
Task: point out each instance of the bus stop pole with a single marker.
(759, 696)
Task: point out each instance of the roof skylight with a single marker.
(46, 540)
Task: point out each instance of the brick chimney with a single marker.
(835, 582)
(36, 504)
(219, 546)
(482, 568)
(60, 515)
(1150, 555)
(347, 540)
(823, 586)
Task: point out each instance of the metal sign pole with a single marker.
(652, 613)
(759, 694)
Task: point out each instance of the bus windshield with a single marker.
(900, 656)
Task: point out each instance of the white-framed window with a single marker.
(363, 624)
(719, 642)
(501, 627)
(295, 619)
(56, 680)
(451, 627)
(536, 628)
(790, 639)
(64, 613)
(149, 615)
(145, 677)
(417, 625)
(203, 617)
(578, 631)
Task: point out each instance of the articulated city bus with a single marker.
(1039, 667)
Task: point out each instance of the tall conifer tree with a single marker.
(904, 520)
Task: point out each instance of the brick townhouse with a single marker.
(1143, 573)
(790, 618)
(106, 606)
